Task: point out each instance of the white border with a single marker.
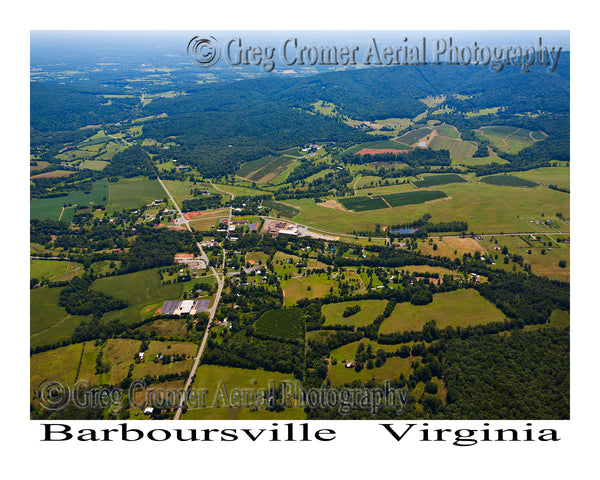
(360, 453)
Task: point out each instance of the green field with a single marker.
(250, 167)
(369, 309)
(414, 135)
(446, 130)
(509, 139)
(219, 382)
(362, 204)
(271, 170)
(61, 364)
(94, 164)
(339, 375)
(287, 211)
(559, 176)
(312, 286)
(431, 180)
(457, 148)
(54, 270)
(286, 323)
(486, 208)
(507, 181)
(135, 192)
(408, 198)
(459, 308)
(49, 323)
(50, 208)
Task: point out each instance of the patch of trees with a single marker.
(156, 247)
(202, 203)
(78, 299)
(252, 353)
(520, 376)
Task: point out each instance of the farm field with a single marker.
(271, 170)
(50, 208)
(369, 310)
(431, 180)
(457, 148)
(179, 190)
(459, 308)
(361, 204)
(508, 181)
(414, 136)
(243, 414)
(209, 219)
(508, 139)
(134, 192)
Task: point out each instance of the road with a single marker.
(212, 311)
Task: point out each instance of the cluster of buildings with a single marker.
(184, 307)
(278, 227)
(192, 261)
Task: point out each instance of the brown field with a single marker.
(447, 246)
(372, 151)
(192, 215)
(331, 204)
(54, 174)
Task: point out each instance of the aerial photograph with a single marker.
(299, 225)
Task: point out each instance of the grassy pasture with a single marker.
(284, 323)
(47, 314)
(446, 130)
(547, 176)
(459, 308)
(94, 165)
(120, 353)
(138, 288)
(134, 192)
(243, 414)
(312, 286)
(54, 270)
(219, 381)
(369, 310)
(61, 364)
(394, 366)
(431, 180)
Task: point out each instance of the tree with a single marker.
(562, 263)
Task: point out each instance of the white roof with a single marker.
(186, 306)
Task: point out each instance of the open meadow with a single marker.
(459, 308)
